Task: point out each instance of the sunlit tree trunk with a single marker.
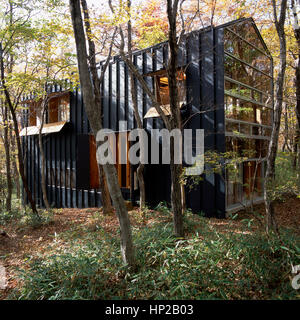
(16, 174)
(106, 200)
(296, 27)
(279, 86)
(176, 169)
(7, 147)
(140, 170)
(43, 160)
(94, 116)
(12, 110)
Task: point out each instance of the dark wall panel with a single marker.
(148, 67)
(208, 117)
(58, 169)
(159, 56)
(105, 101)
(130, 112)
(121, 109)
(113, 100)
(193, 197)
(82, 160)
(220, 120)
(140, 101)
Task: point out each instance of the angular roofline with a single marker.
(237, 21)
(204, 29)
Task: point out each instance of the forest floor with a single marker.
(22, 244)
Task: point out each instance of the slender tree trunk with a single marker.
(7, 159)
(105, 196)
(7, 140)
(295, 152)
(176, 169)
(14, 165)
(140, 170)
(297, 110)
(106, 200)
(178, 218)
(18, 140)
(174, 122)
(95, 119)
(279, 85)
(43, 160)
(286, 129)
(296, 27)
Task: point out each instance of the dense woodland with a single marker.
(118, 251)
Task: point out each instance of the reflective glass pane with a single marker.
(235, 69)
(246, 30)
(242, 50)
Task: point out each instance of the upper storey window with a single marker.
(56, 115)
(162, 88)
(162, 92)
(59, 109)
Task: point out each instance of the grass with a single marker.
(25, 217)
(210, 263)
(287, 179)
(85, 263)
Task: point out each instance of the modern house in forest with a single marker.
(225, 75)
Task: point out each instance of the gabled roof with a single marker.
(205, 29)
(244, 20)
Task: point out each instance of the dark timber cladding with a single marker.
(67, 152)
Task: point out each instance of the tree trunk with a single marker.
(297, 85)
(176, 169)
(14, 164)
(43, 160)
(140, 170)
(286, 129)
(295, 152)
(176, 198)
(95, 119)
(105, 197)
(18, 140)
(296, 28)
(279, 85)
(7, 159)
(175, 122)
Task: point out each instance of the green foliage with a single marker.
(287, 178)
(6, 216)
(25, 218)
(164, 210)
(33, 220)
(207, 265)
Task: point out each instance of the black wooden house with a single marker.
(225, 74)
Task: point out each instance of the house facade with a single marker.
(225, 78)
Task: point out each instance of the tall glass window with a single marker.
(248, 110)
